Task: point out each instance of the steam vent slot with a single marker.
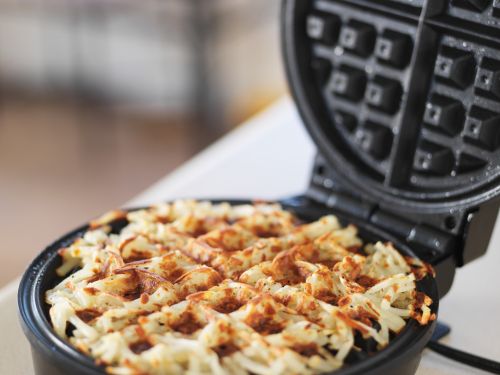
(345, 120)
(433, 159)
(455, 67)
(349, 83)
(375, 140)
(384, 94)
(393, 48)
(444, 114)
(358, 37)
(482, 128)
(488, 78)
(323, 27)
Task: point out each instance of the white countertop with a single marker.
(270, 157)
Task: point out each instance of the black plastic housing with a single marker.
(403, 100)
(53, 356)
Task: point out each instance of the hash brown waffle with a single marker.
(199, 288)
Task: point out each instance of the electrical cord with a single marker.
(441, 330)
(465, 358)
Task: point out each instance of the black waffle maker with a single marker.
(402, 98)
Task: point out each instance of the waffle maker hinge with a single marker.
(446, 241)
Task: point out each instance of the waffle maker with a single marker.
(402, 98)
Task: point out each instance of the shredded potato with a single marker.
(201, 288)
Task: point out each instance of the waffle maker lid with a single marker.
(402, 98)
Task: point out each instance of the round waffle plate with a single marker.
(401, 97)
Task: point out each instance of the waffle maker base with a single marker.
(53, 356)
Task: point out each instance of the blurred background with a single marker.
(101, 98)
